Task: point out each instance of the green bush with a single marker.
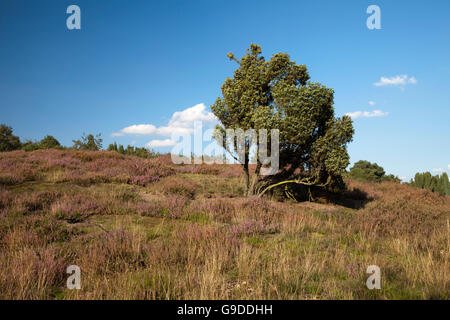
(88, 142)
(365, 171)
(435, 183)
(49, 142)
(133, 151)
(8, 141)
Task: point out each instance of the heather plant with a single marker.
(35, 201)
(180, 186)
(84, 168)
(252, 228)
(218, 209)
(191, 234)
(403, 212)
(5, 198)
(33, 273)
(172, 206)
(75, 209)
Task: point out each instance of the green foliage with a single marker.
(439, 184)
(133, 151)
(366, 171)
(88, 142)
(391, 178)
(49, 142)
(30, 146)
(276, 94)
(8, 141)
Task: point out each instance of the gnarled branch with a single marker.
(305, 182)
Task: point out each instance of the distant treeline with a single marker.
(132, 151)
(366, 171)
(435, 183)
(10, 142)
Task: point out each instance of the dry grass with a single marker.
(144, 229)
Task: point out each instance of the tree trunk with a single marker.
(246, 179)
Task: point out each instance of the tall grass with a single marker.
(145, 229)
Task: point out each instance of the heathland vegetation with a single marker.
(145, 228)
(141, 227)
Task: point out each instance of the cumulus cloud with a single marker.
(160, 143)
(372, 103)
(400, 80)
(449, 167)
(181, 122)
(139, 129)
(186, 118)
(366, 114)
(438, 170)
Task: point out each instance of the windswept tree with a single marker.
(8, 141)
(276, 94)
(88, 142)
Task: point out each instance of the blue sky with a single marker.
(139, 62)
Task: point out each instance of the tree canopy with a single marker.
(132, 151)
(88, 142)
(364, 170)
(49, 142)
(435, 183)
(8, 141)
(277, 94)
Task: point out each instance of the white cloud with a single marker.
(139, 129)
(438, 170)
(160, 143)
(366, 114)
(372, 103)
(181, 122)
(448, 167)
(186, 118)
(168, 130)
(396, 81)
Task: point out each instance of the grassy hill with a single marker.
(146, 229)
